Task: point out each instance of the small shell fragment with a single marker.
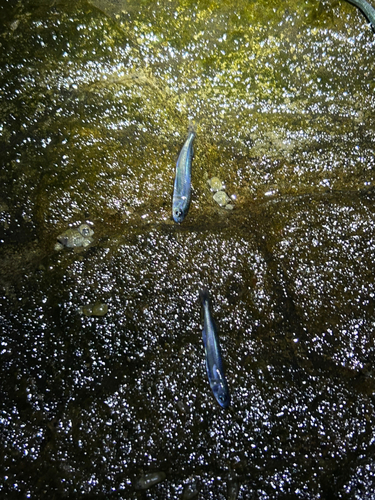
(99, 309)
(215, 184)
(221, 198)
(86, 310)
(71, 238)
(85, 230)
(87, 241)
(74, 237)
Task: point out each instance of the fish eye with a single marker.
(177, 212)
(221, 398)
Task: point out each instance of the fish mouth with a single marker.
(223, 401)
(178, 215)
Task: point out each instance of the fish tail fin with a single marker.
(204, 295)
(192, 128)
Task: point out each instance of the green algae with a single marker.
(257, 86)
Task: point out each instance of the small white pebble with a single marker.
(215, 184)
(221, 198)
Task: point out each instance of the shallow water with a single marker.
(95, 106)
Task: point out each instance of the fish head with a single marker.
(178, 215)
(221, 394)
(178, 212)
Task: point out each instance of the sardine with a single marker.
(182, 182)
(214, 364)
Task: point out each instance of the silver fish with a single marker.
(182, 182)
(214, 364)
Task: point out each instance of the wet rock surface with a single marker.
(90, 403)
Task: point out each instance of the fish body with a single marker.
(182, 182)
(214, 364)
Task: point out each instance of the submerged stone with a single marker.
(87, 241)
(215, 184)
(221, 198)
(86, 310)
(58, 246)
(85, 230)
(148, 480)
(97, 309)
(73, 237)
